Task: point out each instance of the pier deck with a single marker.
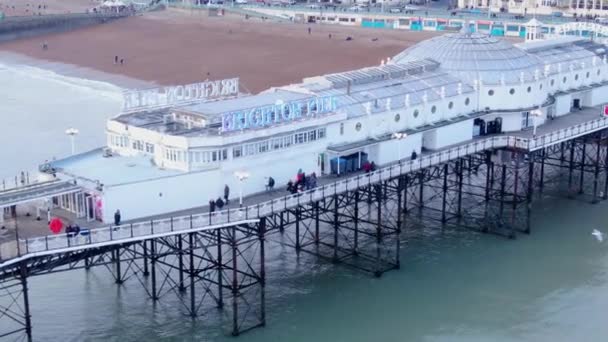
(29, 227)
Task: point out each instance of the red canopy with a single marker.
(55, 225)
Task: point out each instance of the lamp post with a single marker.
(399, 136)
(72, 133)
(535, 113)
(241, 176)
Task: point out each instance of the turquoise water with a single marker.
(453, 285)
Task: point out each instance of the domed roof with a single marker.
(471, 56)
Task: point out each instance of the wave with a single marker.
(104, 89)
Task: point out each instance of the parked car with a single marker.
(557, 14)
(241, 2)
(314, 6)
(395, 10)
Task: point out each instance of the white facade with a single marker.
(441, 92)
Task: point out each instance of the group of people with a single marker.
(368, 167)
(116, 60)
(302, 183)
(72, 230)
(219, 202)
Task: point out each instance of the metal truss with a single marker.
(209, 270)
(359, 229)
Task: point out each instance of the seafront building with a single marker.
(545, 7)
(441, 92)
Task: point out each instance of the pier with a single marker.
(217, 260)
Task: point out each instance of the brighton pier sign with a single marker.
(281, 112)
(174, 95)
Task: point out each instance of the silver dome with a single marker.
(474, 56)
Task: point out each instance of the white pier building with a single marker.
(443, 91)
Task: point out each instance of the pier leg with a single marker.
(459, 168)
(317, 223)
(145, 247)
(26, 302)
(356, 224)
(445, 193)
(530, 192)
(542, 171)
(570, 170)
(582, 176)
(378, 271)
(516, 199)
(336, 228)
(153, 267)
(298, 215)
(119, 279)
(191, 247)
(262, 237)
(596, 174)
(235, 284)
(282, 223)
(180, 255)
(220, 271)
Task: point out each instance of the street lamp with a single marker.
(241, 176)
(535, 113)
(72, 133)
(399, 136)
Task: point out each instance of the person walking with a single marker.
(226, 194)
(309, 30)
(115, 59)
(117, 218)
(122, 61)
(211, 205)
(270, 184)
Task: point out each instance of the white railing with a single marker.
(277, 205)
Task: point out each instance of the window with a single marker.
(450, 105)
(433, 109)
(467, 101)
(137, 145)
(576, 77)
(321, 133)
(552, 83)
(263, 146)
(397, 117)
(342, 128)
(491, 92)
(565, 79)
(540, 87)
(587, 75)
(312, 135)
(237, 151)
(416, 113)
(358, 126)
(512, 91)
(598, 72)
(529, 89)
(149, 148)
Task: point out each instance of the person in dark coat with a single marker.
(414, 155)
(289, 186)
(270, 184)
(219, 203)
(226, 194)
(211, 206)
(117, 218)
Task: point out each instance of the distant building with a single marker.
(542, 7)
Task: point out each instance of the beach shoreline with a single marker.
(179, 47)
